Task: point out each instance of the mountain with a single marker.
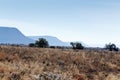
(13, 36)
(53, 41)
(10, 35)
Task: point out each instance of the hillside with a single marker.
(13, 36)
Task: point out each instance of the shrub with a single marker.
(31, 45)
(77, 45)
(52, 47)
(111, 47)
(41, 42)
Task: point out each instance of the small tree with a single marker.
(31, 45)
(41, 42)
(111, 47)
(77, 45)
(73, 45)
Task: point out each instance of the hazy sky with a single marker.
(90, 21)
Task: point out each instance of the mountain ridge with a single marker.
(53, 41)
(11, 35)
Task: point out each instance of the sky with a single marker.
(90, 21)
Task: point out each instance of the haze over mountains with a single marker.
(10, 35)
(53, 41)
(13, 36)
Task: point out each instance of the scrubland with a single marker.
(25, 63)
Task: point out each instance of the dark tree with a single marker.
(111, 47)
(77, 45)
(31, 45)
(52, 47)
(73, 45)
(41, 42)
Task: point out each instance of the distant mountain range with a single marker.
(11, 35)
(53, 41)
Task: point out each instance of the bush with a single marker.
(52, 47)
(31, 45)
(41, 42)
(77, 45)
(111, 47)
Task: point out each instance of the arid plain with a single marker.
(25, 63)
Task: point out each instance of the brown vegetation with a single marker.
(24, 63)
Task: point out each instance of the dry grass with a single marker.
(23, 63)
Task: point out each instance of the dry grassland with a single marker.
(24, 63)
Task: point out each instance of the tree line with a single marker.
(43, 43)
